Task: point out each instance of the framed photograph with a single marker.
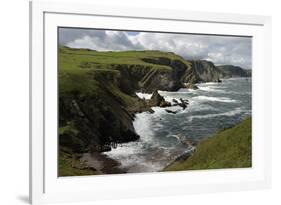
(129, 102)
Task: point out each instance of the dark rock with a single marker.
(182, 103)
(175, 101)
(89, 123)
(156, 99)
(163, 79)
(170, 111)
(184, 156)
(165, 104)
(191, 86)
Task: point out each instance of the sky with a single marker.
(221, 50)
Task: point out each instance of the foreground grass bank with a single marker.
(70, 165)
(230, 148)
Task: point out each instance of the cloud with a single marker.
(218, 49)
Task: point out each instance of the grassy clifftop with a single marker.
(147, 70)
(231, 148)
(98, 59)
(97, 97)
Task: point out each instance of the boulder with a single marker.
(175, 101)
(158, 100)
(171, 111)
(181, 102)
(165, 104)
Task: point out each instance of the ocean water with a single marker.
(214, 106)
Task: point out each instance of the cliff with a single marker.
(97, 99)
(205, 71)
(230, 71)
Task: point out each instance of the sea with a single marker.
(212, 107)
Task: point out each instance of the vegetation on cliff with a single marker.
(97, 99)
(230, 148)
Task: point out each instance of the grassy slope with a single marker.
(100, 60)
(86, 71)
(67, 168)
(231, 148)
(78, 66)
(89, 73)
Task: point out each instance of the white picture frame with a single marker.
(46, 186)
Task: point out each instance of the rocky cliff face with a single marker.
(170, 79)
(97, 99)
(205, 71)
(230, 71)
(91, 121)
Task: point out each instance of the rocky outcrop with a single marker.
(182, 103)
(164, 78)
(90, 123)
(157, 100)
(230, 71)
(205, 71)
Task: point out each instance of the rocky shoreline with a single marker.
(102, 164)
(97, 100)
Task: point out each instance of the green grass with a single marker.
(98, 59)
(87, 60)
(68, 163)
(231, 148)
(88, 73)
(69, 128)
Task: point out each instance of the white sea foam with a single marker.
(144, 95)
(218, 99)
(131, 155)
(143, 126)
(196, 106)
(180, 91)
(229, 113)
(177, 137)
(158, 144)
(208, 83)
(211, 89)
(169, 96)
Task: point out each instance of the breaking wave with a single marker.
(213, 105)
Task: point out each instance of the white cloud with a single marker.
(219, 49)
